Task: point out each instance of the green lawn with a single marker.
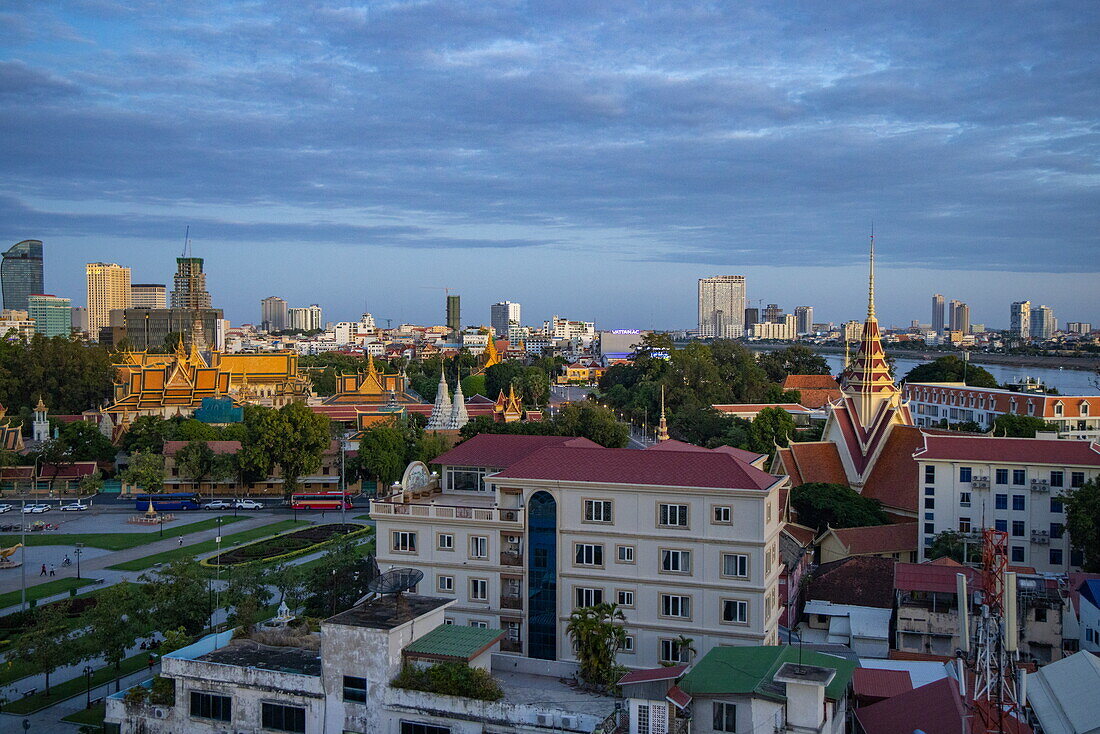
(228, 541)
(91, 717)
(117, 541)
(76, 686)
(362, 517)
(40, 591)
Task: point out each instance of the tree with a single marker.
(54, 455)
(69, 374)
(340, 578)
(146, 472)
(176, 596)
(950, 368)
(598, 635)
(113, 626)
(794, 360)
(146, 435)
(1020, 426)
(290, 583)
(820, 505)
(292, 438)
(771, 427)
(248, 582)
(45, 643)
(949, 544)
(592, 421)
(501, 377)
(198, 462)
(1083, 522)
(381, 456)
(86, 443)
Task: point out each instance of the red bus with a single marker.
(320, 500)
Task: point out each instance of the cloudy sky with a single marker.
(591, 159)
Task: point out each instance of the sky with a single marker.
(588, 159)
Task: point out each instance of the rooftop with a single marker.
(247, 654)
(502, 450)
(454, 642)
(878, 538)
(551, 693)
(1016, 450)
(389, 611)
(750, 670)
(865, 581)
(673, 445)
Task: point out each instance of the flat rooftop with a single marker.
(263, 657)
(551, 693)
(389, 611)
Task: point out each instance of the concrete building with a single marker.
(52, 315)
(804, 319)
(1011, 484)
(19, 322)
(1078, 327)
(752, 316)
(273, 314)
(559, 327)
(306, 318)
(148, 295)
(1043, 323)
(722, 307)
(454, 314)
(524, 529)
(149, 327)
(773, 313)
(21, 273)
(852, 330)
(960, 317)
(937, 313)
(1062, 696)
(108, 290)
(1020, 319)
(80, 320)
(783, 330)
(190, 284)
(503, 316)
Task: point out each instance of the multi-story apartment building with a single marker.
(722, 307)
(306, 318)
(190, 284)
(960, 317)
(804, 319)
(1010, 484)
(503, 316)
(53, 316)
(1043, 323)
(562, 328)
(783, 330)
(1020, 319)
(937, 313)
(273, 313)
(522, 530)
(1078, 327)
(108, 290)
(148, 295)
(1075, 416)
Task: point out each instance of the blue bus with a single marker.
(168, 501)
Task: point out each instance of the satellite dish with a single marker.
(395, 581)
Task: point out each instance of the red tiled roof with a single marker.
(493, 450)
(629, 466)
(785, 463)
(880, 683)
(800, 533)
(893, 480)
(878, 538)
(673, 445)
(1016, 450)
(932, 577)
(646, 676)
(218, 447)
(936, 708)
(757, 407)
(71, 471)
(815, 391)
(16, 472)
(678, 697)
(818, 461)
(865, 581)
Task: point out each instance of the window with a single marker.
(929, 491)
(735, 611)
(479, 590)
(415, 727)
(404, 542)
(676, 605)
(479, 546)
(1056, 556)
(929, 516)
(1017, 554)
(355, 689)
(676, 561)
(466, 478)
(1017, 528)
(723, 515)
(445, 541)
(283, 718)
(1040, 614)
(446, 583)
(1018, 502)
(929, 475)
(735, 564)
(1001, 525)
(929, 503)
(586, 597)
(675, 516)
(624, 598)
(930, 528)
(589, 554)
(671, 652)
(1000, 501)
(1076, 479)
(1019, 476)
(1057, 479)
(1057, 529)
(725, 717)
(597, 510)
(1056, 506)
(964, 473)
(480, 624)
(1001, 476)
(628, 644)
(964, 524)
(964, 499)
(209, 706)
(624, 553)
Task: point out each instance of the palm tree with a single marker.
(597, 638)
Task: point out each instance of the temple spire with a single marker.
(459, 417)
(662, 427)
(871, 279)
(441, 411)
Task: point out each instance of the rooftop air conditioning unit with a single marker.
(159, 712)
(569, 722)
(545, 719)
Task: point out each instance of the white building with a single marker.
(722, 307)
(306, 318)
(524, 529)
(785, 330)
(562, 328)
(804, 319)
(503, 316)
(1011, 484)
(1043, 323)
(1020, 319)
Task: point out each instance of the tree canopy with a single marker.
(1083, 522)
(820, 505)
(587, 419)
(949, 544)
(950, 368)
(797, 359)
(292, 437)
(70, 375)
(1020, 426)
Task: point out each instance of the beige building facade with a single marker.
(108, 290)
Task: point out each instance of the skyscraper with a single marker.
(190, 284)
(21, 273)
(722, 307)
(960, 317)
(804, 319)
(306, 318)
(1043, 323)
(108, 289)
(148, 295)
(1021, 319)
(273, 314)
(752, 316)
(52, 316)
(937, 313)
(502, 315)
(454, 314)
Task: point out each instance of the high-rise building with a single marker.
(1078, 327)
(149, 327)
(804, 319)
(1021, 319)
(190, 284)
(937, 313)
(1043, 323)
(108, 290)
(52, 316)
(959, 316)
(752, 316)
(80, 319)
(273, 314)
(148, 295)
(722, 307)
(773, 314)
(503, 315)
(21, 273)
(307, 318)
(454, 314)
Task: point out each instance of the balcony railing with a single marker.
(511, 601)
(381, 508)
(511, 558)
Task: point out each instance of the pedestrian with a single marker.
(43, 570)
(53, 569)
(181, 541)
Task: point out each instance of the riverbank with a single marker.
(1008, 360)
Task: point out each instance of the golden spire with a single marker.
(371, 369)
(662, 428)
(871, 279)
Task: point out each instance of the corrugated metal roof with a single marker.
(877, 683)
(1063, 694)
(454, 642)
(749, 670)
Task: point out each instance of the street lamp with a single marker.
(79, 551)
(88, 677)
(160, 524)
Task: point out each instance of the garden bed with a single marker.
(281, 545)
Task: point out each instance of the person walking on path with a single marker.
(43, 570)
(181, 541)
(53, 569)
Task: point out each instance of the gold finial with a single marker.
(662, 428)
(871, 279)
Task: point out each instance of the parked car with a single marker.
(218, 505)
(6, 508)
(248, 505)
(36, 509)
(74, 507)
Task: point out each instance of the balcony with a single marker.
(511, 558)
(1040, 485)
(1040, 537)
(385, 509)
(511, 601)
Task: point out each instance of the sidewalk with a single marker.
(49, 720)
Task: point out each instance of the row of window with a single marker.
(668, 515)
(673, 606)
(1018, 476)
(1000, 501)
(273, 716)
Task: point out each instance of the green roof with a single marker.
(745, 670)
(453, 642)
